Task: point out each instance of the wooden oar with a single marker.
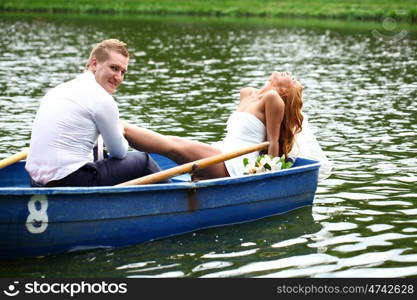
(193, 166)
(13, 158)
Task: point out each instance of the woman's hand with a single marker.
(273, 149)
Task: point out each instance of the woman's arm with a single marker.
(274, 108)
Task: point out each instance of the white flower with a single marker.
(276, 160)
(259, 169)
(265, 163)
(250, 169)
(266, 159)
(276, 166)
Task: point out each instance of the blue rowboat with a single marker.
(44, 221)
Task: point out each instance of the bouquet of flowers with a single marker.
(265, 163)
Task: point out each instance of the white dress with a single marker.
(244, 129)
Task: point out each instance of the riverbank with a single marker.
(403, 10)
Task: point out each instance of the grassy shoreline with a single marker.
(376, 10)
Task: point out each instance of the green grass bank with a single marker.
(402, 10)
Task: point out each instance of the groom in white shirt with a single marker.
(69, 120)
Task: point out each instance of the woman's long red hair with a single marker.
(293, 118)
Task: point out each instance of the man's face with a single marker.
(110, 73)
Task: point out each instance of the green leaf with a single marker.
(245, 161)
(267, 166)
(258, 159)
(287, 165)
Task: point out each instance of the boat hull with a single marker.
(43, 221)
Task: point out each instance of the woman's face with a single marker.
(281, 80)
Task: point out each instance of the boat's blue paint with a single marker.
(91, 217)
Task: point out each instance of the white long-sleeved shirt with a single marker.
(66, 127)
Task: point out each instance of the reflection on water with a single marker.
(184, 80)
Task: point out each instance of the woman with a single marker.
(272, 113)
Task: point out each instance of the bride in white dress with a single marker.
(272, 113)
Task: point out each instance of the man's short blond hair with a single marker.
(101, 51)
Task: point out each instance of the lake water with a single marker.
(184, 79)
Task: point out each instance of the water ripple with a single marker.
(299, 261)
(184, 79)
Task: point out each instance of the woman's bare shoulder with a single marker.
(273, 100)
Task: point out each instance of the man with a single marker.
(69, 120)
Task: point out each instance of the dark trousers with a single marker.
(109, 171)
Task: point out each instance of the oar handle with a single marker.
(13, 158)
(193, 166)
